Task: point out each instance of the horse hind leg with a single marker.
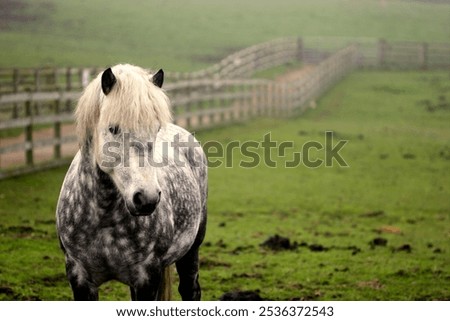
(187, 268)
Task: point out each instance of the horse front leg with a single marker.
(147, 290)
(83, 288)
(84, 292)
(133, 293)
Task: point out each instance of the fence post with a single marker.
(280, 99)
(188, 105)
(69, 78)
(234, 107)
(15, 90)
(382, 46)
(37, 88)
(231, 102)
(68, 88)
(254, 103)
(188, 118)
(55, 79)
(37, 76)
(29, 135)
(57, 132)
(243, 106)
(262, 91)
(300, 49)
(423, 55)
(271, 99)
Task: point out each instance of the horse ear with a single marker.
(108, 81)
(158, 78)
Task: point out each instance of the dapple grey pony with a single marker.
(134, 198)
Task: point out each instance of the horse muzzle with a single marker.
(143, 204)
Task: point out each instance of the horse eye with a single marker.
(114, 130)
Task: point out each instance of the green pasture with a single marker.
(185, 35)
(378, 229)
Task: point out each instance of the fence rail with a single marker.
(243, 63)
(36, 106)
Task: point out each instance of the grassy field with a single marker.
(376, 230)
(190, 34)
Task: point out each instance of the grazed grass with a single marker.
(399, 167)
(394, 192)
(189, 34)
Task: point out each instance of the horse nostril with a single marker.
(138, 199)
(145, 203)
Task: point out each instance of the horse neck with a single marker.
(106, 189)
(102, 187)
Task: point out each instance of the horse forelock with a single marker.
(134, 104)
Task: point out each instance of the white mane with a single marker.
(134, 103)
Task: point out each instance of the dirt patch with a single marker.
(22, 231)
(9, 294)
(355, 250)
(46, 222)
(373, 214)
(317, 248)
(404, 248)
(6, 290)
(279, 243)
(378, 241)
(445, 153)
(321, 248)
(409, 156)
(240, 249)
(344, 269)
(54, 280)
(401, 273)
(441, 103)
(389, 229)
(247, 275)
(221, 244)
(209, 263)
(372, 284)
(310, 295)
(241, 296)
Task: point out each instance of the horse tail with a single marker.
(165, 289)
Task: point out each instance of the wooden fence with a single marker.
(36, 106)
(309, 50)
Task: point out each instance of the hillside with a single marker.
(190, 34)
